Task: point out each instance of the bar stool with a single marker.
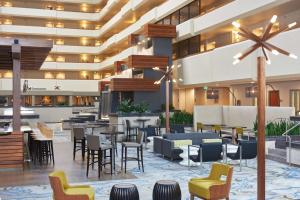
(79, 142)
(129, 129)
(139, 147)
(98, 153)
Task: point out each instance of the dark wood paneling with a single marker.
(118, 65)
(133, 39)
(11, 151)
(131, 84)
(33, 53)
(160, 30)
(146, 62)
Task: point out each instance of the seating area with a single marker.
(149, 100)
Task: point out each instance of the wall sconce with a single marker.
(49, 58)
(60, 42)
(7, 4)
(7, 22)
(84, 7)
(97, 59)
(49, 7)
(97, 76)
(48, 75)
(7, 74)
(60, 25)
(97, 43)
(84, 41)
(83, 24)
(60, 75)
(60, 8)
(211, 46)
(49, 25)
(60, 59)
(84, 75)
(84, 58)
(107, 75)
(97, 27)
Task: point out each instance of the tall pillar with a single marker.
(16, 57)
(261, 110)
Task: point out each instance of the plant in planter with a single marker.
(125, 106)
(179, 117)
(141, 107)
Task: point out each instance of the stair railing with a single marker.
(289, 139)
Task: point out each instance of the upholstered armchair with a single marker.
(215, 186)
(63, 191)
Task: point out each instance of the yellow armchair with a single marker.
(215, 186)
(63, 191)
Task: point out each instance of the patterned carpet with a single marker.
(282, 181)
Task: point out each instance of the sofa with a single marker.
(166, 147)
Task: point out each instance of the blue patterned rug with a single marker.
(282, 181)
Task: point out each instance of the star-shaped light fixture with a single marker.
(167, 76)
(261, 42)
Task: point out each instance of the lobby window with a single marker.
(194, 46)
(184, 14)
(167, 20)
(183, 48)
(175, 18)
(194, 9)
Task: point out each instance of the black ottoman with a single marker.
(124, 192)
(166, 190)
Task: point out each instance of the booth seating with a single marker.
(166, 145)
(41, 144)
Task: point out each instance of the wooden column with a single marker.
(261, 110)
(16, 56)
(167, 106)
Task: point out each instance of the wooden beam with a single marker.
(147, 62)
(133, 84)
(159, 30)
(261, 110)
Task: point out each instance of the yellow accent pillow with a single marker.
(179, 143)
(212, 140)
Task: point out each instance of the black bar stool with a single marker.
(79, 142)
(139, 147)
(98, 153)
(131, 131)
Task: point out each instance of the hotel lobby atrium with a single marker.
(149, 99)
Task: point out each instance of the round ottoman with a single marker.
(124, 192)
(166, 190)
